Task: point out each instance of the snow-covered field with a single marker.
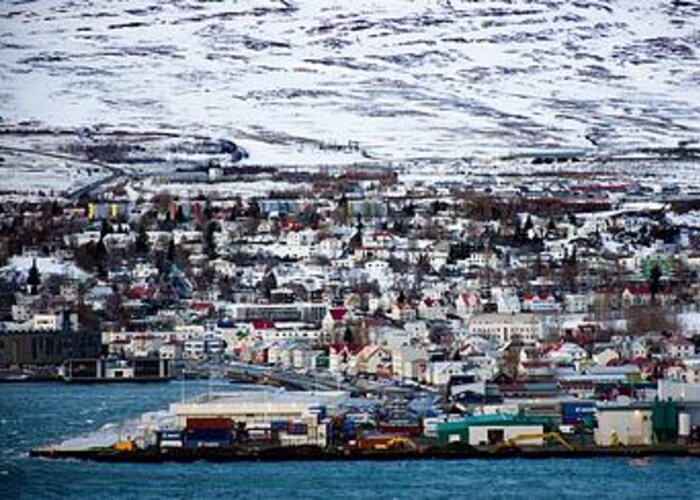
(30, 174)
(406, 79)
(46, 265)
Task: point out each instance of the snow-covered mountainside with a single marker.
(438, 78)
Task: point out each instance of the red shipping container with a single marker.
(400, 430)
(209, 423)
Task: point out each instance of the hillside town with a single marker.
(523, 295)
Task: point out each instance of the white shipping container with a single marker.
(684, 424)
(171, 444)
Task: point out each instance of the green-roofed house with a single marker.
(492, 429)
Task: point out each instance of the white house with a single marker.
(407, 361)
(567, 352)
(575, 303)
(507, 327)
(439, 372)
(605, 357)
(679, 347)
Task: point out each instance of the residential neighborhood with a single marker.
(362, 274)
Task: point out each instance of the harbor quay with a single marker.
(274, 424)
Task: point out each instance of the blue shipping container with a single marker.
(208, 443)
(210, 435)
(279, 425)
(169, 435)
(298, 429)
(576, 413)
(349, 429)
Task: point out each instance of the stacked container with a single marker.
(207, 432)
(297, 428)
(169, 439)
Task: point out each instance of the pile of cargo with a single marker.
(169, 439)
(289, 427)
(199, 432)
(301, 432)
(207, 432)
(218, 432)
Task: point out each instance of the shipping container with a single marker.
(171, 443)
(207, 435)
(170, 434)
(208, 432)
(209, 423)
(259, 434)
(359, 418)
(577, 413)
(349, 429)
(279, 425)
(406, 430)
(318, 411)
(297, 428)
(206, 444)
(683, 424)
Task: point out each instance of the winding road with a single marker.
(76, 193)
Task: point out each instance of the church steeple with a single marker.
(33, 279)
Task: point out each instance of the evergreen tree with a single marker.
(269, 283)
(170, 256)
(208, 211)
(180, 215)
(100, 255)
(655, 280)
(253, 210)
(348, 336)
(142, 243)
(209, 241)
(105, 229)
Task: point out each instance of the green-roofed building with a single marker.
(493, 429)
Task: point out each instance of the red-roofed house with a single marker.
(261, 326)
(375, 360)
(636, 295)
(205, 308)
(403, 311)
(141, 292)
(429, 308)
(679, 347)
(540, 302)
(342, 357)
(336, 317)
(468, 304)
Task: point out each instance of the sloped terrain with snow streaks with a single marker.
(445, 78)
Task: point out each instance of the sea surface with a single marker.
(37, 414)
